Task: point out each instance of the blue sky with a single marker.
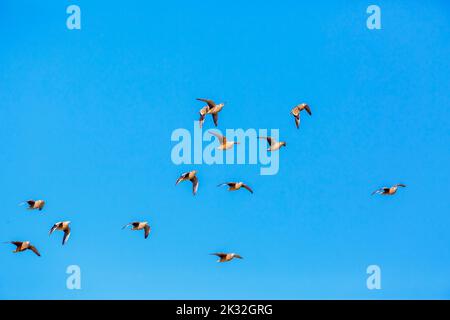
(86, 118)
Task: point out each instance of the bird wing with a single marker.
(183, 176)
(66, 235)
(215, 118)
(194, 185)
(17, 243)
(247, 187)
(209, 102)
(53, 228)
(219, 254)
(33, 248)
(127, 225)
(297, 121)
(230, 184)
(31, 203)
(377, 191)
(147, 231)
(308, 109)
(238, 256)
(269, 140)
(201, 120)
(221, 138)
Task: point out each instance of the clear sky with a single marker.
(86, 118)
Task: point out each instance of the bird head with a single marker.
(283, 144)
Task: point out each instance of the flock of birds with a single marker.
(213, 109)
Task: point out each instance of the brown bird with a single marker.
(62, 226)
(296, 112)
(274, 144)
(140, 226)
(224, 144)
(211, 108)
(385, 191)
(191, 176)
(233, 186)
(35, 204)
(23, 246)
(226, 257)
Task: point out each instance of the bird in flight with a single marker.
(385, 191)
(35, 204)
(226, 257)
(62, 226)
(23, 246)
(139, 226)
(191, 176)
(296, 112)
(224, 144)
(211, 108)
(274, 144)
(233, 186)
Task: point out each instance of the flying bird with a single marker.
(296, 112)
(233, 186)
(62, 226)
(191, 176)
(225, 257)
(211, 108)
(35, 204)
(23, 246)
(140, 226)
(224, 144)
(274, 144)
(385, 191)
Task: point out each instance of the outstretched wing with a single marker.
(230, 184)
(380, 191)
(66, 235)
(247, 187)
(17, 243)
(33, 248)
(215, 118)
(53, 228)
(219, 254)
(147, 231)
(194, 181)
(209, 102)
(183, 176)
(269, 140)
(201, 120)
(308, 109)
(297, 120)
(221, 138)
(376, 191)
